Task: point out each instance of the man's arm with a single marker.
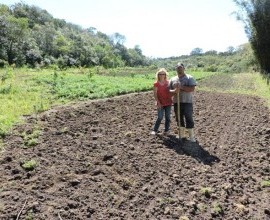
(187, 88)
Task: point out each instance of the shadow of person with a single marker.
(194, 150)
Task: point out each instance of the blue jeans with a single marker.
(186, 114)
(161, 111)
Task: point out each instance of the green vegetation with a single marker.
(31, 139)
(42, 41)
(256, 17)
(33, 37)
(34, 91)
(243, 83)
(265, 183)
(29, 165)
(206, 191)
(217, 209)
(26, 91)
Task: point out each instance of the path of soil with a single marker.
(96, 160)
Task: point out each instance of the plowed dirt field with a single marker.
(97, 160)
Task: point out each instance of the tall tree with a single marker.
(16, 32)
(256, 16)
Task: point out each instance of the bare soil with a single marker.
(97, 160)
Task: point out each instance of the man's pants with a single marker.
(186, 115)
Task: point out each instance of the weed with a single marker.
(39, 107)
(217, 209)
(265, 183)
(206, 191)
(29, 165)
(29, 215)
(31, 139)
(202, 207)
(90, 73)
(6, 75)
(6, 89)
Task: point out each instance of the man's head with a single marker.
(180, 68)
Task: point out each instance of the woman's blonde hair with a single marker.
(162, 71)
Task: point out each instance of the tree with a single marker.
(256, 17)
(16, 32)
(117, 38)
(196, 51)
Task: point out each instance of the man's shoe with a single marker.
(191, 135)
(153, 133)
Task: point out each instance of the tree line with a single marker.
(31, 36)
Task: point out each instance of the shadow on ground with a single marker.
(194, 150)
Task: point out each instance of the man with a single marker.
(185, 84)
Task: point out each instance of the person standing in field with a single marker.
(185, 84)
(163, 99)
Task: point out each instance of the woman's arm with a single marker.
(156, 96)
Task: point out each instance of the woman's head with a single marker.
(162, 74)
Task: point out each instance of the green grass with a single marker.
(23, 97)
(241, 83)
(26, 91)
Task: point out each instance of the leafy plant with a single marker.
(206, 191)
(265, 183)
(90, 74)
(31, 139)
(202, 207)
(217, 209)
(29, 165)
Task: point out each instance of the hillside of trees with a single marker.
(30, 36)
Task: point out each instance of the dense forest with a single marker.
(30, 36)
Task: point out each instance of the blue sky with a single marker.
(162, 28)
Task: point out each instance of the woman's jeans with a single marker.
(161, 111)
(186, 115)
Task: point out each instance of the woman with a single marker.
(163, 99)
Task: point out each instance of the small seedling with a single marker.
(31, 140)
(265, 183)
(217, 209)
(202, 207)
(29, 165)
(206, 191)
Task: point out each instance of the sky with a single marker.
(161, 28)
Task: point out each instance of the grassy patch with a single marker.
(31, 139)
(241, 83)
